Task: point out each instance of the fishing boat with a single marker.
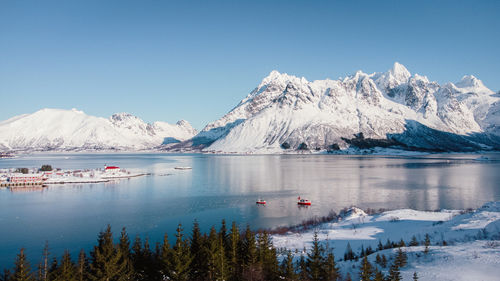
(303, 202)
(261, 202)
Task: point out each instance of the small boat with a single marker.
(261, 202)
(183, 168)
(303, 202)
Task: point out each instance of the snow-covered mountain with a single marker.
(65, 130)
(285, 111)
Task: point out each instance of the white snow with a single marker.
(58, 129)
(472, 251)
(285, 108)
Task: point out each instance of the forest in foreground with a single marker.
(227, 254)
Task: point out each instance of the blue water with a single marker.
(226, 186)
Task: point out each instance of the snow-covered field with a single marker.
(463, 245)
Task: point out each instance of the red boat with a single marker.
(261, 202)
(303, 201)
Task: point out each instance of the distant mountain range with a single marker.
(73, 130)
(285, 113)
(393, 108)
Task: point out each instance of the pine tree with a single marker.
(165, 258)
(215, 252)
(388, 244)
(107, 263)
(22, 269)
(366, 270)
(315, 260)
(394, 273)
(287, 268)
(221, 264)
(379, 276)
(124, 246)
(302, 266)
(414, 241)
(380, 247)
(401, 243)
(5, 275)
(331, 269)
(415, 276)
(401, 258)
(427, 243)
(198, 253)
(234, 240)
(82, 266)
(45, 262)
(66, 271)
(384, 261)
(378, 260)
(181, 258)
(349, 254)
(52, 274)
(268, 257)
(248, 255)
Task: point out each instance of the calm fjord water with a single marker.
(226, 186)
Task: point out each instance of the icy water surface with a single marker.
(227, 186)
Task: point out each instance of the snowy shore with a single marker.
(464, 245)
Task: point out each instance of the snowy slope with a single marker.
(57, 129)
(470, 253)
(395, 104)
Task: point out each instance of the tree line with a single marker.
(226, 254)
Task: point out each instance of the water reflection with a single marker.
(222, 186)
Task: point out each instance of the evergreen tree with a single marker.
(82, 267)
(287, 268)
(401, 243)
(165, 258)
(221, 265)
(366, 270)
(315, 260)
(349, 254)
(268, 257)
(388, 244)
(248, 255)
(216, 263)
(225, 237)
(414, 241)
(107, 263)
(22, 269)
(44, 268)
(198, 253)
(234, 240)
(181, 258)
(66, 271)
(378, 260)
(415, 276)
(380, 247)
(331, 269)
(427, 243)
(401, 258)
(52, 274)
(379, 276)
(5, 275)
(124, 246)
(394, 273)
(384, 261)
(302, 266)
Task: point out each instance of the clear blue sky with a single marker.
(171, 60)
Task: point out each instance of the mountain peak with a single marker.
(469, 81)
(400, 72)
